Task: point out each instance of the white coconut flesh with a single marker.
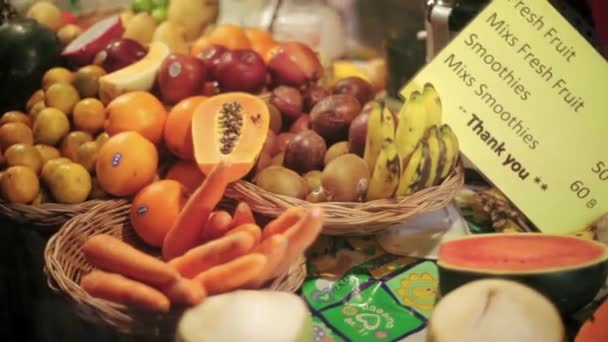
(495, 310)
(247, 316)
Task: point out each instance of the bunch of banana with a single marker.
(417, 153)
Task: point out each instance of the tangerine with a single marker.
(230, 36)
(178, 128)
(137, 111)
(89, 115)
(126, 163)
(14, 133)
(16, 116)
(155, 209)
(187, 173)
(261, 41)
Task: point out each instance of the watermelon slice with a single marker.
(567, 269)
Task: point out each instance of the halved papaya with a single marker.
(568, 270)
(230, 127)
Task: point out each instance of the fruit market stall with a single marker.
(200, 173)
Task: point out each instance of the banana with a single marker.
(380, 129)
(412, 170)
(432, 140)
(412, 126)
(432, 102)
(452, 151)
(385, 177)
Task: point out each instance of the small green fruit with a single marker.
(160, 14)
(141, 6)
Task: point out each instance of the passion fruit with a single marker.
(305, 152)
(346, 178)
(331, 117)
(282, 181)
(355, 86)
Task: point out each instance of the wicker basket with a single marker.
(354, 218)
(65, 264)
(47, 217)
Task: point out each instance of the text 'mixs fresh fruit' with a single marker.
(230, 127)
(181, 76)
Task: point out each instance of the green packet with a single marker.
(358, 292)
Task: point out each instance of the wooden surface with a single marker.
(29, 310)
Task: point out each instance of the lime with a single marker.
(141, 6)
(160, 14)
(160, 3)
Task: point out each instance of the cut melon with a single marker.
(83, 49)
(495, 310)
(230, 127)
(139, 76)
(567, 269)
(595, 329)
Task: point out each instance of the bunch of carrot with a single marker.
(205, 253)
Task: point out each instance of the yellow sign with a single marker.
(528, 99)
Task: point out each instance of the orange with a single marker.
(228, 35)
(187, 173)
(14, 133)
(178, 128)
(89, 115)
(137, 111)
(126, 163)
(155, 209)
(16, 116)
(261, 40)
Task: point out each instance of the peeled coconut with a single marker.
(495, 310)
(247, 315)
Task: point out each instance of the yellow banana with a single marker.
(452, 151)
(432, 102)
(385, 177)
(380, 128)
(432, 140)
(412, 170)
(413, 119)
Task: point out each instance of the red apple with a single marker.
(121, 53)
(241, 70)
(288, 101)
(211, 55)
(181, 76)
(301, 124)
(294, 64)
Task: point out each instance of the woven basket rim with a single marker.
(354, 218)
(46, 217)
(63, 271)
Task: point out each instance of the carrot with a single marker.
(250, 228)
(113, 255)
(186, 232)
(122, 290)
(300, 236)
(212, 254)
(219, 223)
(288, 218)
(242, 215)
(275, 249)
(234, 274)
(185, 291)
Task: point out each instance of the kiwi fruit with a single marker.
(346, 178)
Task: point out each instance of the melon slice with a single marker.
(567, 269)
(247, 315)
(596, 327)
(82, 50)
(495, 310)
(139, 76)
(230, 127)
